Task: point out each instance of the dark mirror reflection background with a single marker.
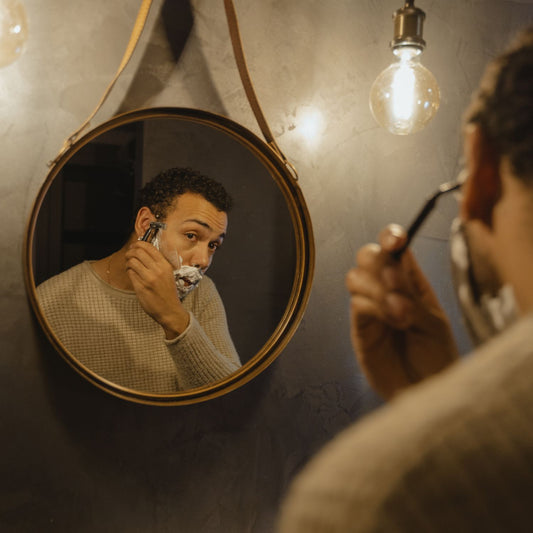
(87, 212)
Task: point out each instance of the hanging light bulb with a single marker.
(405, 96)
(13, 30)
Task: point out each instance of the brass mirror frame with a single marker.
(303, 276)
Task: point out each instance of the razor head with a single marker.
(151, 233)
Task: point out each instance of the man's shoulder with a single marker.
(205, 289)
(204, 300)
(206, 283)
(465, 435)
(64, 284)
(66, 280)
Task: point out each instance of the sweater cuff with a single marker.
(170, 342)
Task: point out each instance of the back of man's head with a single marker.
(161, 192)
(503, 106)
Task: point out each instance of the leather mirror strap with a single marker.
(248, 86)
(138, 27)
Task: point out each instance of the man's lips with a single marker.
(189, 282)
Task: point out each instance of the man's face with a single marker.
(195, 229)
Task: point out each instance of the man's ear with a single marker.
(142, 221)
(482, 189)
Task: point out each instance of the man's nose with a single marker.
(201, 257)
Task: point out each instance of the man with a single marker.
(131, 317)
(452, 451)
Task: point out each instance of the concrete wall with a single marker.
(77, 459)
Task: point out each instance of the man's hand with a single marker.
(400, 332)
(153, 281)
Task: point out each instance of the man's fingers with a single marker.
(371, 258)
(362, 308)
(368, 299)
(392, 238)
(363, 283)
(148, 256)
(399, 310)
(140, 254)
(148, 273)
(418, 284)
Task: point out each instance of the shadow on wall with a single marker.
(163, 52)
(108, 429)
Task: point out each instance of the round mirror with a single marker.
(85, 212)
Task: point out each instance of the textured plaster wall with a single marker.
(76, 459)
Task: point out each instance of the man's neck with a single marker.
(112, 269)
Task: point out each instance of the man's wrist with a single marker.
(176, 325)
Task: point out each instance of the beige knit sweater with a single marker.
(107, 330)
(451, 455)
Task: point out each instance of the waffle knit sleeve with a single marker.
(204, 352)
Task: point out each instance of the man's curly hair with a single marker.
(161, 192)
(503, 105)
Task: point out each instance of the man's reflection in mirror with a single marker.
(139, 317)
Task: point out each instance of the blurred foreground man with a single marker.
(452, 451)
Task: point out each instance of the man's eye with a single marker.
(190, 236)
(214, 245)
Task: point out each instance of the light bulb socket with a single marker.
(408, 27)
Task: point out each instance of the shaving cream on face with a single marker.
(186, 278)
(157, 241)
(485, 314)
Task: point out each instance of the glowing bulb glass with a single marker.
(405, 96)
(13, 31)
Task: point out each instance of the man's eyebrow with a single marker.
(205, 225)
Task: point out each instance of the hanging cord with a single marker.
(138, 27)
(247, 84)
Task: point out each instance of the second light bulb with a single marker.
(405, 96)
